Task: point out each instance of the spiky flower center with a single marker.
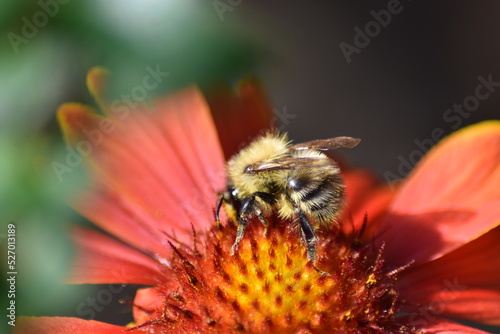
(270, 286)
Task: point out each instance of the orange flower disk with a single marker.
(269, 286)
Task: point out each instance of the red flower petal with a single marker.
(62, 325)
(432, 325)
(161, 169)
(360, 183)
(451, 198)
(366, 195)
(146, 303)
(106, 209)
(240, 118)
(464, 283)
(78, 123)
(101, 259)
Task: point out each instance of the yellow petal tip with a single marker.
(74, 118)
(97, 80)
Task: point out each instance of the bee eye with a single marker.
(249, 169)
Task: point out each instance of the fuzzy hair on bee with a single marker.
(299, 182)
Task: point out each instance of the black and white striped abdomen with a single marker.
(320, 195)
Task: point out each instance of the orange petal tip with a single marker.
(74, 118)
(490, 128)
(481, 127)
(97, 81)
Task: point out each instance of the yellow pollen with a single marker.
(270, 286)
(371, 280)
(277, 284)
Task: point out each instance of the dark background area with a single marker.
(397, 89)
(394, 92)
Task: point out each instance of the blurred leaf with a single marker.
(181, 37)
(31, 85)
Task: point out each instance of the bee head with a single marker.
(250, 169)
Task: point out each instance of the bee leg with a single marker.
(264, 222)
(270, 199)
(246, 210)
(261, 217)
(225, 197)
(217, 211)
(242, 224)
(310, 237)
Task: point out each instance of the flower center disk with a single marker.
(272, 282)
(269, 285)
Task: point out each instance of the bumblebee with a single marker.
(299, 181)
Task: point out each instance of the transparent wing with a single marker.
(327, 144)
(288, 162)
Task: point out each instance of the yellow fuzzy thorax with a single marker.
(264, 148)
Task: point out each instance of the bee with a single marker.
(299, 181)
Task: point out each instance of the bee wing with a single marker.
(328, 144)
(288, 163)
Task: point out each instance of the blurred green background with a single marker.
(394, 91)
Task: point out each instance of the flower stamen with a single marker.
(269, 284)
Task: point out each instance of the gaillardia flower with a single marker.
(404, 258)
